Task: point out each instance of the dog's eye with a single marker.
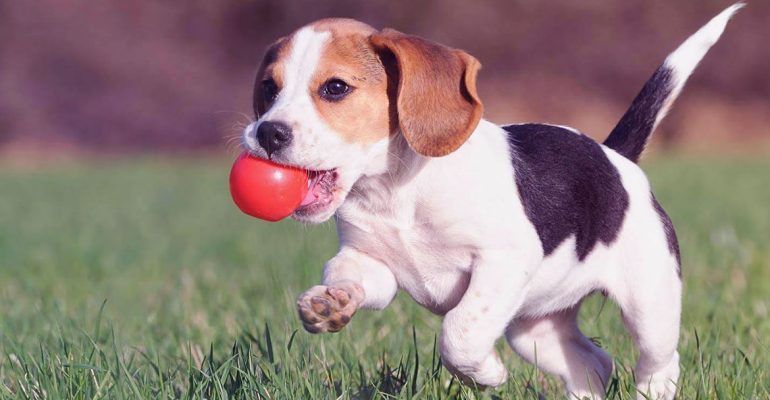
(269, 90)
(334, 89)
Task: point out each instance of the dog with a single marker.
(502, 230)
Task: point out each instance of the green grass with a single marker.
(140, 279)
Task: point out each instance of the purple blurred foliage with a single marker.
(127, 76)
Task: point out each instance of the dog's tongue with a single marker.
(312, 189)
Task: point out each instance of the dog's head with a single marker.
(334, 95)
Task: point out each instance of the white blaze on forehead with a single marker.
(315, 145)
(294, 105)
(306, 49)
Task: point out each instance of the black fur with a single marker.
(568, 186)
(630, 134)
(668, 226)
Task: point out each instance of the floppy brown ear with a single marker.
(437, 102)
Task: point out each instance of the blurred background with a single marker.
(124, 264)
(176, 76)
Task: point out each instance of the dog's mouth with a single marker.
(320, 192)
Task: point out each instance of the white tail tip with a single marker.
(687, 56)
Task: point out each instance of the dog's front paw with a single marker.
(327, 308)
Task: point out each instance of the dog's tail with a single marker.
(651, 104)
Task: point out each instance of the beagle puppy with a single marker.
(502, 230)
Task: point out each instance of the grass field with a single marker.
(140, 279)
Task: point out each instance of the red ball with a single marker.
(266, 190)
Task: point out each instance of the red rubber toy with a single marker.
(266, 190)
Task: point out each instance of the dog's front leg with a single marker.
(351, 280)
(469, 330)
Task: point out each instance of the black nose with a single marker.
(273, 136)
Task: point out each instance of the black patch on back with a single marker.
(673, 242)
(568, 186)
(630, 135)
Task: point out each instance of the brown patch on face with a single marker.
(272, 67)
(363, 115)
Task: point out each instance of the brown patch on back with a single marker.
(363, 115)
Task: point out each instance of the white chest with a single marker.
(432, 267)
(429, 223)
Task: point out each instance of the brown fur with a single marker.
(271, 68)
(426, 90)
(438, 105)
(359, 116)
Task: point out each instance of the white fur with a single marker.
(479, 260)
(315, 145)
(569, 128)
(686, 57)
(452, 232)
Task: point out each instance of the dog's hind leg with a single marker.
(555, 344)
(651, 311)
